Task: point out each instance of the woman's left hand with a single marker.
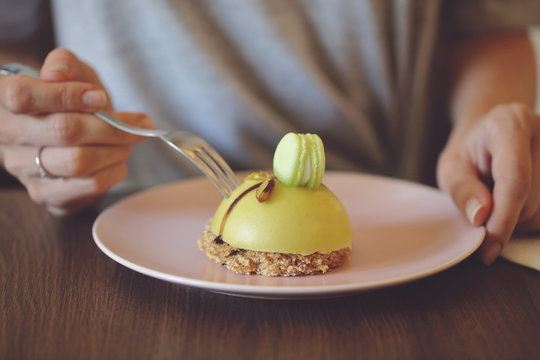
(491, 169)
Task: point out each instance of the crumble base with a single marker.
(269, 263)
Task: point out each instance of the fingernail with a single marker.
(95, 99)
(472, 208)
(490, 254)
(58, 67)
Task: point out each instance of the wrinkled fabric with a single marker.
(364, 75)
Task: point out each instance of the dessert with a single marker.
(282, 224)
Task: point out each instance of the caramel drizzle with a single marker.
(233, 204)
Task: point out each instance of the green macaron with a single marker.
(299, 160)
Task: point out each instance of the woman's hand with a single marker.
(491, 168)
(84, 155)
(491, 163)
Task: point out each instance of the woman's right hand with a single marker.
(85, 155)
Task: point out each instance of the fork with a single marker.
(197, 150)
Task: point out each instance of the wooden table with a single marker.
(62, 298)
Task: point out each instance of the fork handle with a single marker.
(18, 68)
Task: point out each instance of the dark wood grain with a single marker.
(61, 298)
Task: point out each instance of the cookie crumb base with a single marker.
(269, 263)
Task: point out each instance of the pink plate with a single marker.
(402, 232)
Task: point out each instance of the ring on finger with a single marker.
(43, 172)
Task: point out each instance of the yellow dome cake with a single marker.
(284, 224)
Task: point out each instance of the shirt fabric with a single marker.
(361, 74)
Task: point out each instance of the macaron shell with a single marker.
(290, 159)
(322, 160)
(317, 159)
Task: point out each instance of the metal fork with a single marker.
(198, 151)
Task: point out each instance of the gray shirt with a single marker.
(243, 73)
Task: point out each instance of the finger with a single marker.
(21, 94)
(532, 204)
(74, 205)
(71, 193)
(512, 174)
(69, 129)
(529, 219)
(77, 161)
(458, 176)
(83, 160)
(62, 65)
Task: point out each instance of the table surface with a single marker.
(62, 298)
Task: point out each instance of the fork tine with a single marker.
(204, 157)
(209, 171)
(221, 164)
(217, 168)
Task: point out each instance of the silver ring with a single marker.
(44, 173)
